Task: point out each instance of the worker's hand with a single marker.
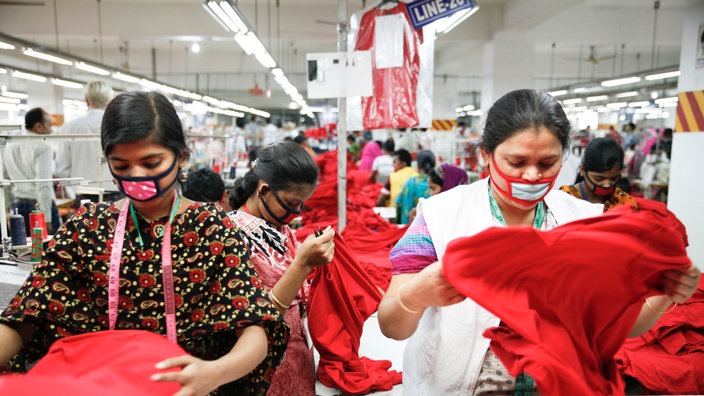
(196, 376)
(680, 285)
(317, 250)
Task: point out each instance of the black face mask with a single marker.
(599, 190)
(286, 218)
(144, 188)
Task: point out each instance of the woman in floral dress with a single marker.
(103, 268)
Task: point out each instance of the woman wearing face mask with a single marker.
(525, 136)
(104, 269)
(266, 199)
(600, 172)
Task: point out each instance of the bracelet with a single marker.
(276, 300)
(660, 312)
(398, 297)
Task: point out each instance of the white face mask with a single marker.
(529, 192)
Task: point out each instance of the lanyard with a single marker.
(166, 269)
(496, 212)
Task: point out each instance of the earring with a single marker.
(184, 175)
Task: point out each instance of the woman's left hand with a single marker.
(195, 376)
(317, 250)
(681, 284)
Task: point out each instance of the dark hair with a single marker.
(253, 154)
(434, 177)
(138, 115)
(601, 154)
(240, 122)
(389, 145)
(522, 109)
(204, 185)
(403, 155)
(426, 160)
(33, 116)
(300, 139)
(281, 165)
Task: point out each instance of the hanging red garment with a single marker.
(393, 103)
(111, 362)
(669, 358)
(342, 297)
(568, 297)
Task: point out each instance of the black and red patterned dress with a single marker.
(217, 290)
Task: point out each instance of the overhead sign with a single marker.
(423, 12)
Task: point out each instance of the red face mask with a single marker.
(599, 190)
(522, 191)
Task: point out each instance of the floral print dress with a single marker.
(273, 250)
(217, 291)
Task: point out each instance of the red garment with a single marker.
(112, 362)
(669, 358)
(568, 297)
(342, 297)
(393, 103)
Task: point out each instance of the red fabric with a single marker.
(341, 298)
(568, 297)
(669, 358)
(393, 103)
(115, 362)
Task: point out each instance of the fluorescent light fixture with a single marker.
(195, 48)
(572, 101)
(468, 107)
(597, 98)
(8, 107)
(91, 69)
(445, 25)
(620, 81)
(151, 85)
(616, 105)
(126, 78)
(6, 46)
(458, 109)
(277, 72)
(227, 15)
(672, 99)
(250, 43)
(669, 104)
(3, 71)
(266, 60)
(18, 95)
(474, 113)
(559, 93)
(46, 57)
(626, 94)
(260, 113)
(66, 83)
(661, 76)
(4, 99)
(644, 103)
(224, 112)
(28, 76)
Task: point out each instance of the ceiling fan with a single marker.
(593, 57)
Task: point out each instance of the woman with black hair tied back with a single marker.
(600, 174)
(266, 199)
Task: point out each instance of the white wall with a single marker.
(686, 192)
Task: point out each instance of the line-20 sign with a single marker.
(423, 12)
